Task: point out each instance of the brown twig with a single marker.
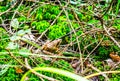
(66, 13)
(108, 8)
(94, 49)
(108, 33)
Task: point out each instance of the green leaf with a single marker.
(92, 21)
(26, 27)
(24, 52)
(14, 38)
(21, 33)
(39, 16)
(14, 23)
(4, 69)
(28, 31)
(2, 30)
(73, 2)
(12, 45)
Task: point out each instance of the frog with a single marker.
(51, 46)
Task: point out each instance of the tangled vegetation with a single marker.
(59, 40)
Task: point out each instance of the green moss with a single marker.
(116, 24)
(53, 75)
(71, 17)
(4, 38)
(41, 25)
(63, 65)
(40, 19)
(47, 12)
(22, 19)
(102, 53)
(61, 19)
(22, 7)
(115, 77)
(11, 75)
(55, 10)
(58, 30)
(3, 8)
(39, 16)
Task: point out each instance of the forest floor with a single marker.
(59, 40)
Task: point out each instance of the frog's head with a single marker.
(58, 42)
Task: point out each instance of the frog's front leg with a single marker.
(47, 52)
(58, 51)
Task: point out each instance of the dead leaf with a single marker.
(115, 56)
(29, 37)
(106, 43)
(110, 62)
(18, 70)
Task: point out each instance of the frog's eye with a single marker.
(58, 44)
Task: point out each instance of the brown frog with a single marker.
(51, 46)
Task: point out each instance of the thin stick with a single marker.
(96, 74)
(109, 34)
(94, 48)
(91, 66)
(8, 9)
(74, 33)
